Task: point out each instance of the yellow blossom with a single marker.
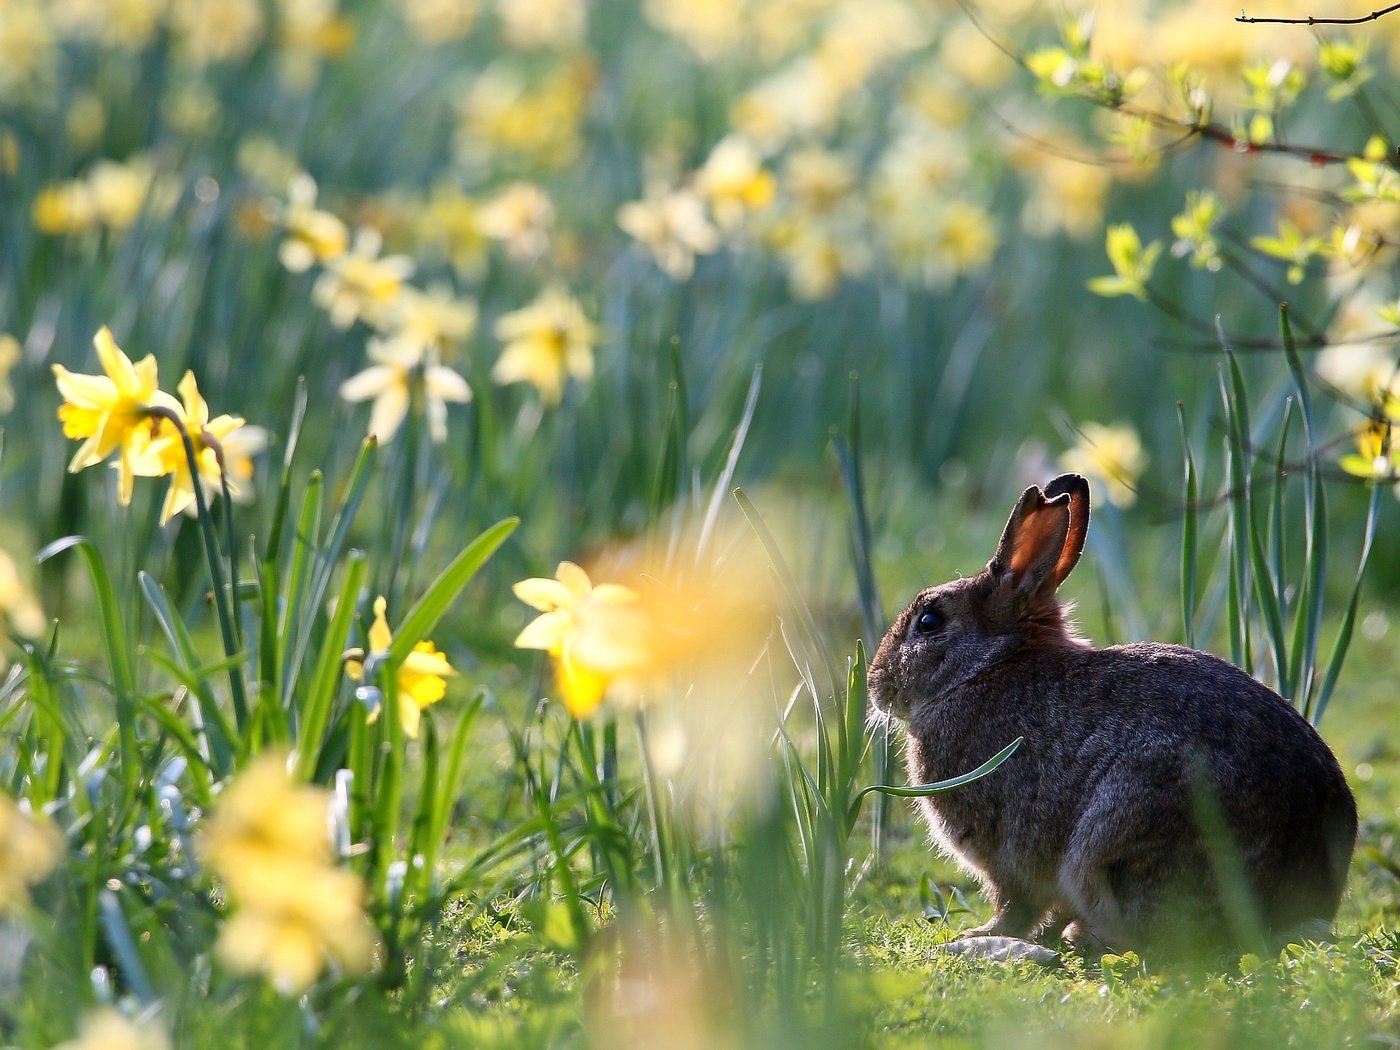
(436, 319)
(1133, 263)
(448, 224)
(216, 30)
(111, 412)
(28, 51)
(29, 848)
(820, 251)
(120, 190)
(520, 217)
(421, 679)
(711, 28)
(1375, 458)
(595, 635)
(316, 916)
(939, 244)
(503, 111)
(128, 25)
(390, 380)
(1067, 194)
(361, 283)
(313, 235)
(818, 179)
(106, 1029)
(800, 99)
(268, 841)
(63, 208)
(1111, 455)
(166, 454)
(533, 24)
(439, 21)
(308, 32)
(545, 342)
(1359, 359)
(734, 182)
(672, 226)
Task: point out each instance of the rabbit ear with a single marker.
(1078, 489)
(1033, 543)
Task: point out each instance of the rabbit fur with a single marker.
(1162, 798)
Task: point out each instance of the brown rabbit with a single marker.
(1162, 797)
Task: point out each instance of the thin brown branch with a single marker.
(1312, 20)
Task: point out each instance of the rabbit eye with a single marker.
(927, 622)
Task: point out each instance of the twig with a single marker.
(1311, 20)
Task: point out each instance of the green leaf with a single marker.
(419, 621)
(925, 790)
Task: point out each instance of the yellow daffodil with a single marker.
(317, 916)
(734, 182)
(390, 382)
(313, 235)
(532, 24)
(208, 31)
(63, 208)
(439, 21)
(519, 217)
(268, 841)
(1374, 459)
(1111, 455)
(422, 677)
(111, 412)
(361, 283)
(447, 223)
(166, 455)
(545, 342)
(672, 226)
(29, 849)
(595, 635)
(436, 319)
(106, 1029)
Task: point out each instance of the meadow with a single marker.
(458, 457)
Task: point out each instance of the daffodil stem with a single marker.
(222, 609)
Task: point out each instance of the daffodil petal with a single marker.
(373, 381)
(573, 577)
(544, 594)
(390, 408)
(546, 631)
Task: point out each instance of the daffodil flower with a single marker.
(1111, 455)
(30, 846)
(361, 283)
(268, 841)
(673, 226)
(1374, 458)
(389, 382)
(313, 235)
(166, 455)
(545, 342)
(595, 635)
(111, 412)
(422, 677)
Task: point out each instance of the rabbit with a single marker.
(1162, 800)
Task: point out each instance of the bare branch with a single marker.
(1311, 20)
